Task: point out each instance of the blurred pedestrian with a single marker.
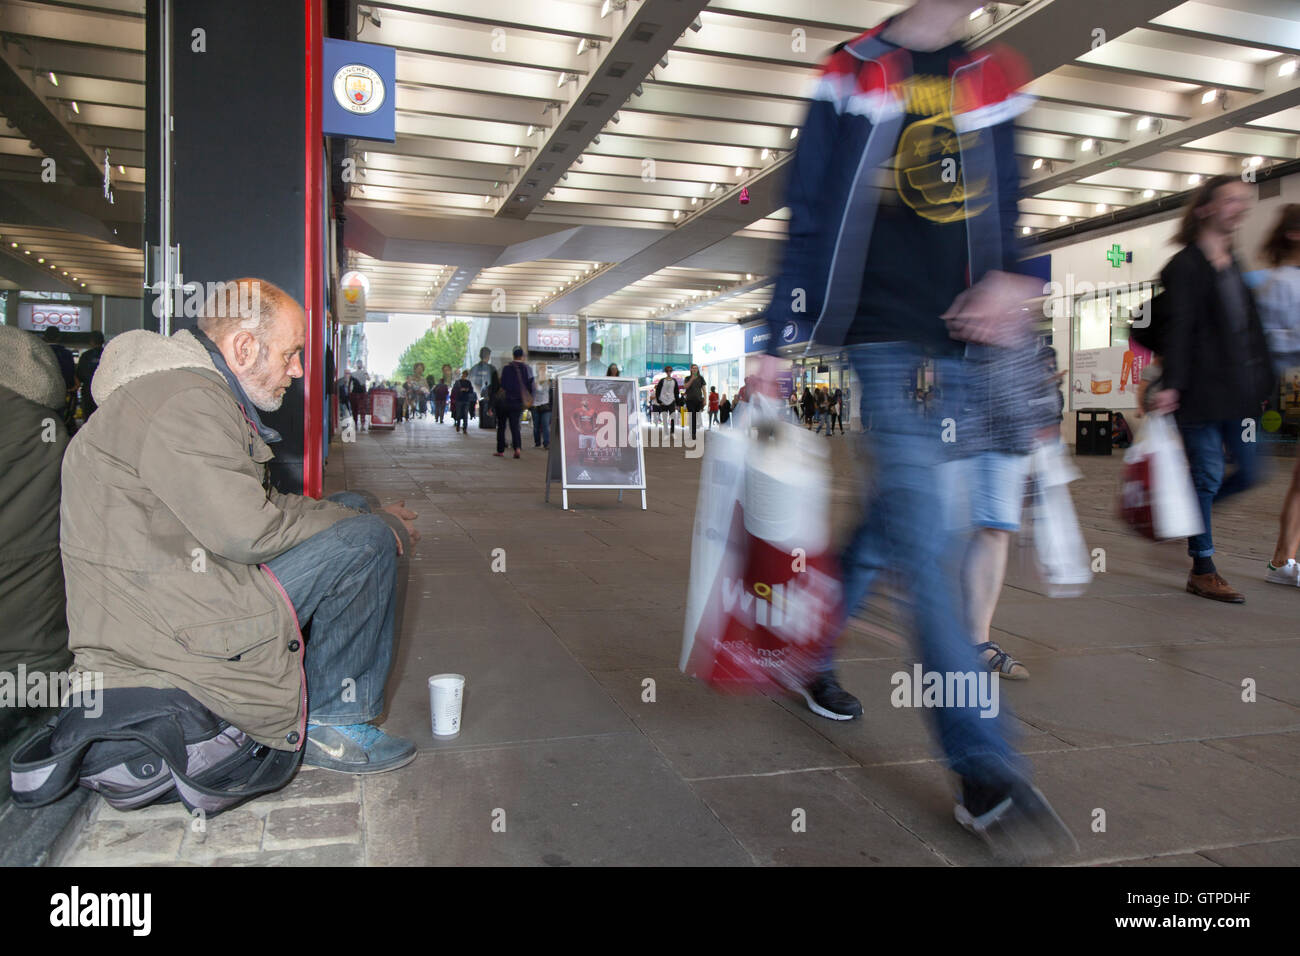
(1216, 366)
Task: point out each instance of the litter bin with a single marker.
(1092, 431)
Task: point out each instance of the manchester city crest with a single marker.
(358, 89)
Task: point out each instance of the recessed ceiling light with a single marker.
(712, 187)
(75, 108)
(1148, 193)
(694, 200)
(1062, 218)
(794, 133)
(40, 260)
(1038, 164)
(1286, 69)
(55, 80)
(739, 170)
(1209, 97)
(1256, 160)
(1086, 145)
(1101, 207)
(766, 153)
(1194, 179)
(1024, 230)
(1144, 122)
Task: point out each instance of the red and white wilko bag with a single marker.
(764, 592)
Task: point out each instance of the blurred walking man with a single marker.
(906, 266)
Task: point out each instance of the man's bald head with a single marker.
(260, 330)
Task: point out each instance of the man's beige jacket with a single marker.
(164, 523)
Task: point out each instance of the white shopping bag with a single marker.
(1063, 558)
(1175, 512)
(763, 597)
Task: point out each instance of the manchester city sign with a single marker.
(358, 89)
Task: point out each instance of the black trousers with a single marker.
(509, 413)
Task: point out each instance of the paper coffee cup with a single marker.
(445, 694)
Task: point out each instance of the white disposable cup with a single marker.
(445, 694)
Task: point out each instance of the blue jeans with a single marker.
(509, 413)
(1204, 444)
(904, 530)
(541, 427)
(344, 580)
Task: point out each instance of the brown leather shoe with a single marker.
(1213, 587)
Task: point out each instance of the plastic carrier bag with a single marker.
(763, 599)
(1157, 499)
(1063, 557)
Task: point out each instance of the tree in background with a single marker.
(436, 348)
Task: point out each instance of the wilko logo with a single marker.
(791, 608)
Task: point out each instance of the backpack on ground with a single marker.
(148, 745)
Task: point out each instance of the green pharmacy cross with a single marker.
(1115, 255)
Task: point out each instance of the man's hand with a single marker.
(1165, 401)
(993, 312)
(763, 380)
(407, 517)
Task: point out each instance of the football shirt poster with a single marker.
(601, 433)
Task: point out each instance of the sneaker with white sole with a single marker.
(826, 698)
(1288, 574)
(355, 748)
(1014, 820)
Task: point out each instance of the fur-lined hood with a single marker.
(29, 368)
(139, 353)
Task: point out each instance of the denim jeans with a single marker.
(461, 413)
(541, 427)
(1204, 444)
(344, 581)
(508, 414)
(904, 530)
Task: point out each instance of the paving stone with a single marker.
(122, 844)
(592, 801)
(289, 828)
(1126, 697)
(1277, 853)
(235, 831)
(1277, 752)
(331, 855)
(1172, 860)
(313, 785)
(703, 733)
(1275, 669)
(837, 825)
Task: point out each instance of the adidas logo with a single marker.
(583, 476)
(609, 396)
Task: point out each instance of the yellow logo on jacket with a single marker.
(927, 164)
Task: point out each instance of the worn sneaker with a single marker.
(827, 698)
(1212, 586)
(355, 748)
(1289, 573)
(1016, 821)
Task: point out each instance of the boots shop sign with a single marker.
(39, 316)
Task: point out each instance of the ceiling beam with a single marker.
(645, 33)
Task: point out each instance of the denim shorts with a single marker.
(987, 490)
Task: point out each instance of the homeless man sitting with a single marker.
(187, 570)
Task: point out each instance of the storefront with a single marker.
(720, 354)
(828, 369)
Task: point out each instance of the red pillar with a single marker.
(313, 294)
